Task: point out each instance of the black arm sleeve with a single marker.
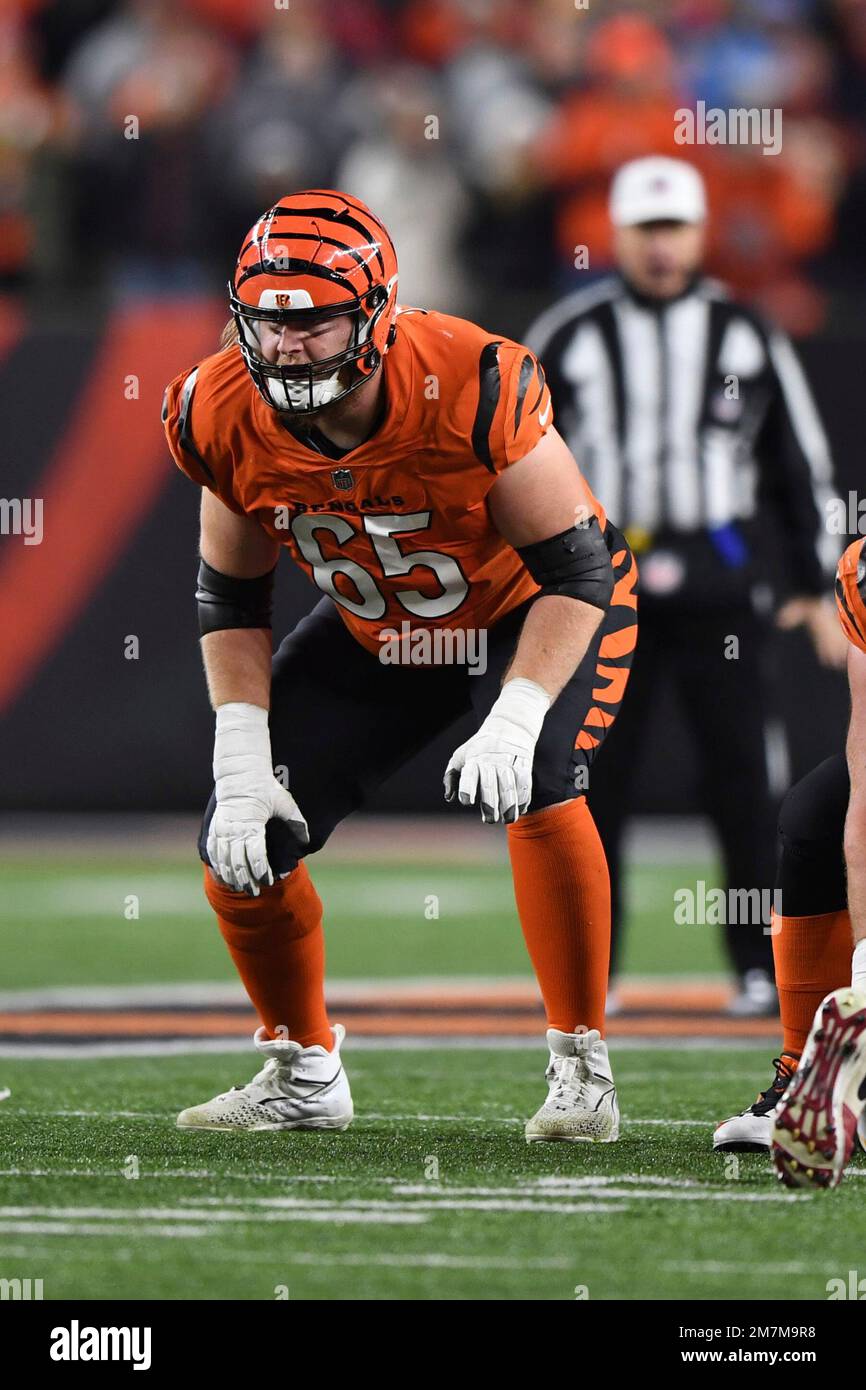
(224, 602)
(576, 563)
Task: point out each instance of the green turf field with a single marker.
(65, 925)
(432, 1193)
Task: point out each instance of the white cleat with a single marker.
(750, 1131)
(297, 1088)
(815, 1127)
(581, 1104)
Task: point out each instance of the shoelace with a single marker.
(260, 1076)
(768, 1098)
(567, 1083)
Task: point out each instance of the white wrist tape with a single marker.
(241, 733)
(523, 703)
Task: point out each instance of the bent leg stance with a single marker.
(561, 881)
(340, 722)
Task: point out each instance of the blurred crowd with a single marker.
(140, 138)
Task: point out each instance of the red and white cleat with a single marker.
(815, 1126)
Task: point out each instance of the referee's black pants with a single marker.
(725, 707)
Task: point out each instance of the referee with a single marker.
(692, 421)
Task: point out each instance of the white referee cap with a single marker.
(657, 189)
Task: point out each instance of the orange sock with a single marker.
(562, 890)
(278, 947)
(813, 956)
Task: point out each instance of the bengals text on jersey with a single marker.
(396, 529)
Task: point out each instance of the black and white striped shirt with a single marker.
(686, 415)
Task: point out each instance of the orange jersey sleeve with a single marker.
(851, 594)
(188, 417)
(505, 406)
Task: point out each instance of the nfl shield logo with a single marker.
(342, 479)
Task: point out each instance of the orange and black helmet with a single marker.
(314, 255)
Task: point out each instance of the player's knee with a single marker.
(812, 815)
(552, 785)
(539, 812)
(290, 905)
(545, 796)
(284, 850)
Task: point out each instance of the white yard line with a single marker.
(733, 1267)
(481, 1199)
(553, 1184)
(371, 1213)
(73, 1228)
(365, 1117)
(427, 1259)
(312, 1210)
(192, 1174)
(230, 994)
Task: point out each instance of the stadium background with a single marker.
(114, 257)
(116, 252)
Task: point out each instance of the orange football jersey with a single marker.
(850, 597)
(396, 530)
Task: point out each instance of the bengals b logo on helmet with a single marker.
(315, 255)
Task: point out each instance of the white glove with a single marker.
(248, 795)
(499, 757)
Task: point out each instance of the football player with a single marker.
(407, 461)
(810, 1112)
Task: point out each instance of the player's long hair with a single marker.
(229, 336)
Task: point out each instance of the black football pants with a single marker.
(811, 875)
(341, 722)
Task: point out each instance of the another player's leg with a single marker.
(561, 881)
(815, 1126)
(811, 937)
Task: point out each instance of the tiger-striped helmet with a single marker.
(314, 255)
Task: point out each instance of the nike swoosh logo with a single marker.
(542, 419)
(318, 1088)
